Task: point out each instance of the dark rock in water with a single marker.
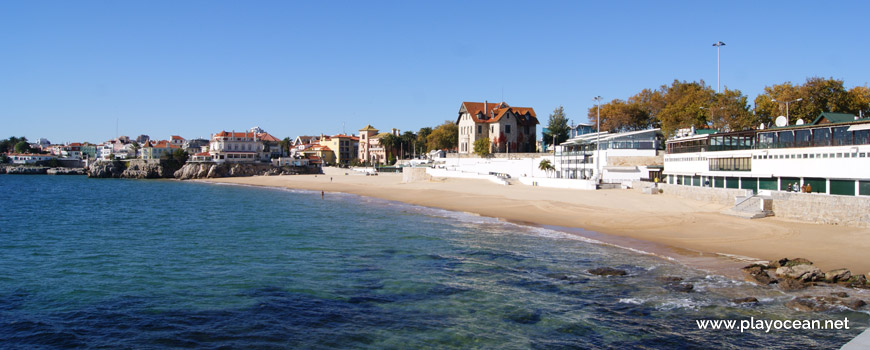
(607, 271)
(840, 294)
(203, 170)
(757, 274)
(820, 303)
(671, 279)
(745, 300)
(525, 316)
(854, 304)
(789, 285)
(680, 287)
(807, 303)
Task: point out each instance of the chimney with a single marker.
(485, 102)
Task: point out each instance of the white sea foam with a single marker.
(634, 301)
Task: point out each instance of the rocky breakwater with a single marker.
(798, 274)
(207, 170)
(67, 171)
(27, 170)
(134, 169)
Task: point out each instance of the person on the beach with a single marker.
(321, 194)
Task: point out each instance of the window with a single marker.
(507, 129)
(479, 129)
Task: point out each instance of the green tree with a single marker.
(546, 166)
(22, 147)
(286, 143)
(422, 137)
(445, 136)
(557, 126)
(481, 146)
(407, 141)
(389, 142)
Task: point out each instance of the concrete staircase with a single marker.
(753, 207)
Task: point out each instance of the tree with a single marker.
(546, 166)
(22, 147)
(730, 111)
(620, 116)
(422, 137)
(445, 136)
(681, 105)
(286, 143)
(859, 101)
(481, 146)
(557, 127)
(817, 95)
(407, 141)
(389, 142)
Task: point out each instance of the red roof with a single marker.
(265, 136)
(176, 137)
(202, 154)
(30, 154)
(234, 134)
(495, 111)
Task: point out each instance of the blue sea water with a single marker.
(153, 264)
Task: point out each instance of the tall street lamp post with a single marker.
(598, 136)
(718, 45)
(786, 105)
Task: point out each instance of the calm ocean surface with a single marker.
(150, 264)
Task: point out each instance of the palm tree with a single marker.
(546, 166)
(389, 142)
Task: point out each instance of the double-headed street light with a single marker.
(786, 105)
(718, 45)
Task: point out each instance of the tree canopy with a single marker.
(481, 146)
(817, 95)
(445, 136)
(557, 127)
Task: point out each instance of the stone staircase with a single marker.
(752, 207)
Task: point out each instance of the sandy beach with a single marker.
(667, 225)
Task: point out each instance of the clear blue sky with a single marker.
(70, 69)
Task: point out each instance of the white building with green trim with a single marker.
(831, 154)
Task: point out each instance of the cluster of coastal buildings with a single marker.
(827, 155)
(253, 145)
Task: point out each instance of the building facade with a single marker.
(830, 155)
(625, 156)
(509, 129)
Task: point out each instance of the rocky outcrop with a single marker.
(67, 171)
(26, 170)
(838, 275)
(140, 169)
(134, 169)
(107, 169)
(215, 170)
(823, 303)
(757, 274)
(803, 273)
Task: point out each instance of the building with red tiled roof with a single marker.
(509, 129)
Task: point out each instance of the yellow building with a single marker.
(323, 152)
(345, 147)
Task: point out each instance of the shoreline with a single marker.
(691, 232)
